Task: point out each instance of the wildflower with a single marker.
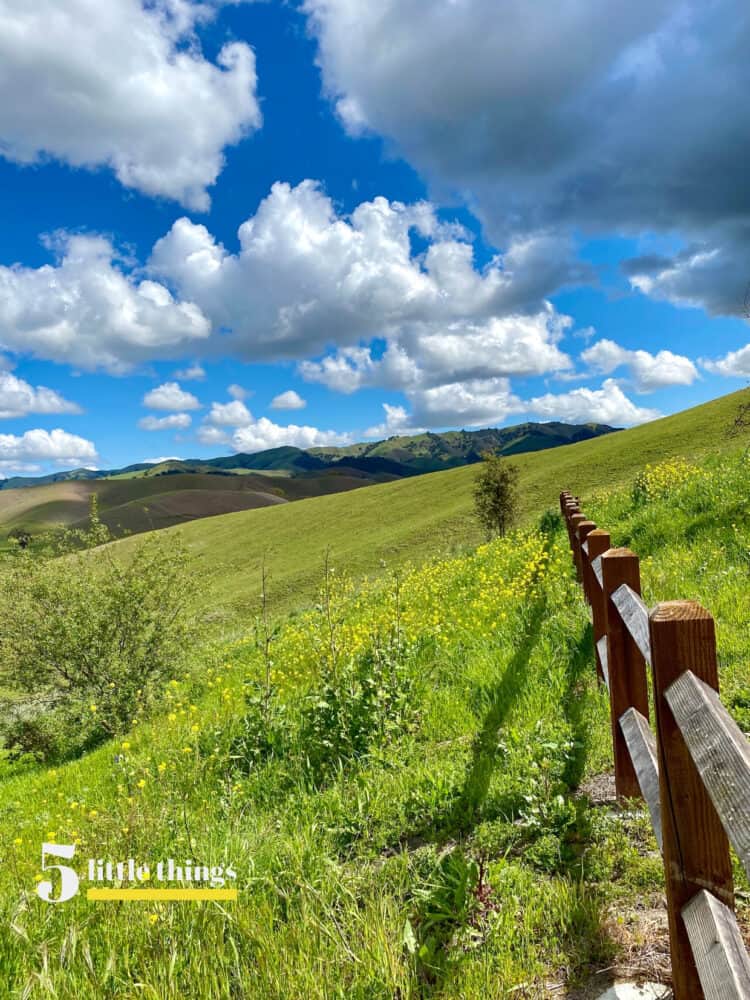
(92, 709)
(18, 841)
(152, 918)
(125, 745)
(162, 767)
(142, 783)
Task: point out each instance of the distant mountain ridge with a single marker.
(395, 456)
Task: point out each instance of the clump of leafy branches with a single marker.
(496, 494)
(89, 635)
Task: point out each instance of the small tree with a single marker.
(740, 424)
(496, 493)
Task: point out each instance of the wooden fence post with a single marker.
(599, 541)
(583, 531)
(628, 683)
(575, 520)
(570, 509)
(696, 849)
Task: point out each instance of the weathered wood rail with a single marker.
(692, 769)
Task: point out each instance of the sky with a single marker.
(228, 226)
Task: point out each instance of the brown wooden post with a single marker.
(599, 541)
(696, 849)
(569, 510)
(575, 520)
(628, 683)
(584, 530)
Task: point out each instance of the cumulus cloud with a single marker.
(232, 424)
(237, 391)
(123, 84)
(607, 405)
(289, 400)
(170, 396)
(40, 445)
(635, 116)
(18, 398)
(194, 373)
(86, 311)
(234, 414)
(306, 278)
(397, 422)
(735, 364)
(173, 421)
(649, 372)
(258, 435)
(263, 433)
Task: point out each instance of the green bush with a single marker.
(89, 640)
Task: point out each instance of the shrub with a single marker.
(358, 703)
(90, 638)
(496, 494)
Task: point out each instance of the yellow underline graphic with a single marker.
(161, 894)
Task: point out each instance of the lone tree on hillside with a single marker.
(496, 493)
(740, 424)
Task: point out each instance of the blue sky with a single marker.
(232, 226)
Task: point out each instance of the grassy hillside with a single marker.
(420, 517)
(397, 783)
(134, 503)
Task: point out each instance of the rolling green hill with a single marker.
(145, 497)
(398, 456)
(413, 519)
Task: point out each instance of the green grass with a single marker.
(413, 519)
(461, 744)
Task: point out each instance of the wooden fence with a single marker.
(692, 769)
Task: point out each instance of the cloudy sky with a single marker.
(227, 226)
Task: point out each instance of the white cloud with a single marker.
(397, 422)
(18, 398)
(306, 278)
(194, 373)
(263, 434)
(173, 421)
(649, 371)
(735, 364)
(170, 396)
(210, 435)
(123, 84)
(163, 458)
(40, 445)
(85, 311)
(289, 400)
(234, 414)
(473, 403)
(232, 424)
(608, 405)
(258, 435)
(237, 391)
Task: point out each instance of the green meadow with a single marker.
(392, 750)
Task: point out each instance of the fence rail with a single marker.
(692, 769)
